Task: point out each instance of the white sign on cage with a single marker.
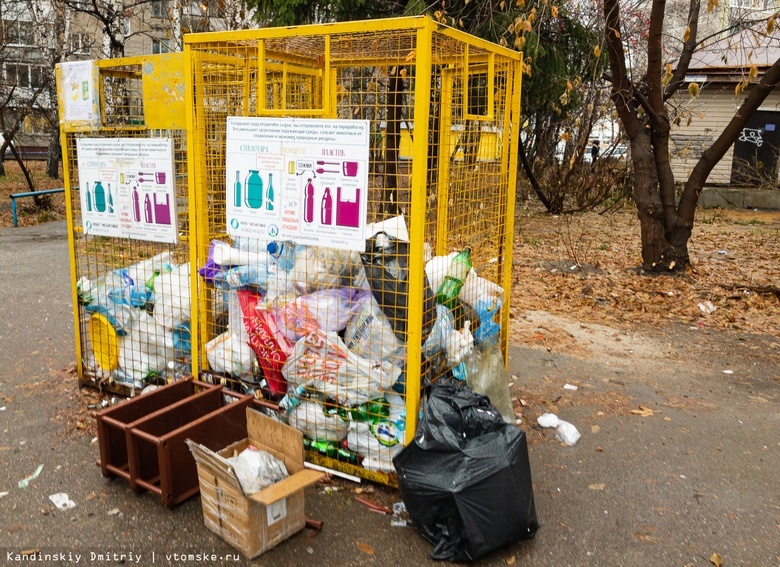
(298, 179)
(127, 188)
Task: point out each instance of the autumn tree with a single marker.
(642, 99)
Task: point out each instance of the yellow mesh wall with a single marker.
(123, 340)
(329, 333)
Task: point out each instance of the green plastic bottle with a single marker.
(459, 269)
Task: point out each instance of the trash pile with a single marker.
(321, 331)
(139, 322)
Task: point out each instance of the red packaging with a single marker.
(265, 338)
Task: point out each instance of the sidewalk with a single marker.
(697, 476)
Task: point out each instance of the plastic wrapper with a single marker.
(317, 268)
(266, 339)
(328, 310)
(324, 361)
(229, 354)
(476, 288)
(257, 469)
(466, 478)
(486, 375)
(443, 327)
(370, 335)
(172, 297)
(310, 418)
(386, 263)
(378, 456)
(136, 361)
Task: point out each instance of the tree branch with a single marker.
(687, 53)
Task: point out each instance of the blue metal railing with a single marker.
(15, 196)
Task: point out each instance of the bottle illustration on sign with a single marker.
(85, 90)
(136, 205)
(269, 196)
(308, 203)
(148, 210)
(326, 213)
(110, 200)
(162, 210)
(348, 210)
(237, 194)
(100, 198)
(89, 199)
(254, 190)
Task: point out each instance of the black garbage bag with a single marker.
(386, 262)
(466, 479)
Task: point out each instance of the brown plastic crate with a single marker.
(113, 422)
(159, 459)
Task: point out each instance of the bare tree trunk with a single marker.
(53, 159)
(395, 87)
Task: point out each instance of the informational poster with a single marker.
(78, 91)
(298, 179)
(127, 188)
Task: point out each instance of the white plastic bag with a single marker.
(310, 419)
(135, 359)
(327, 310)
(257, 469)
(336, 371)
(377, 457)
(370, 335)
(317, 268)
(228, 354)
(172, 297)
(476, 288)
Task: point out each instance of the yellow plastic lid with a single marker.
(105, 344)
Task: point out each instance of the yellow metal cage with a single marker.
(121, 343)
(442, 109)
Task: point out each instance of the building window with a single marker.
(80, 43)
(160, 46)
(159, 9)
(17, 32)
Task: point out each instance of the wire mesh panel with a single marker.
(127, 197)
(340, 280)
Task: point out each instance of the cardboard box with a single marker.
(261, 521)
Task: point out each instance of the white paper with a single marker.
(276, 511)
(62, 501)
(77, 89)
(318, 172)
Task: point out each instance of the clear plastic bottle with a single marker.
(459, 269)
(284, 252)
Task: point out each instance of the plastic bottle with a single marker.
(284, 252)
(237, 194)
(242, 276)
(100, 197)
(254, 190)
(326, 214)
(308, 203)
(459, 269)
(269, 196)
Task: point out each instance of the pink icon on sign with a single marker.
(348, 210)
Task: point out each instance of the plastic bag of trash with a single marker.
(327, 310)
(257, 469)
(386, 262)
(311, 419)
(466, 479)
(370, 335)
(378, 454)
(322, 361)
(317, 268)
(172, 297)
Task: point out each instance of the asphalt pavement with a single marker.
(692, 475)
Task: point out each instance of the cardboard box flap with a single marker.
(217, 464)
(281, 437)
(285, 487)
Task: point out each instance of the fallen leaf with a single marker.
(595, 428)
(596, 486)
(511, 560)
(365, 548)
(716, 559)
(667, 419)
(643, 411)
(600, 449)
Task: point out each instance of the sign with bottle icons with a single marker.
(303, 180)
(127, 188)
